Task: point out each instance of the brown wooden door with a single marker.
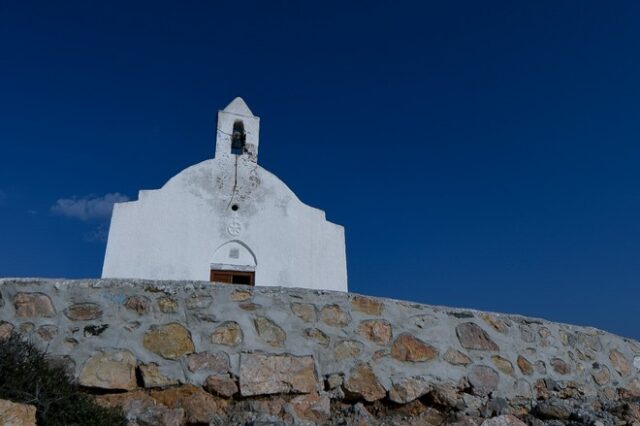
(232, 277)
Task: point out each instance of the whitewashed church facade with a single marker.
(227, 220)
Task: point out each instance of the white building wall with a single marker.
(176, 232)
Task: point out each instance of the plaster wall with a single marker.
(191, 224)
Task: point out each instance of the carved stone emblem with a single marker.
(234, 229)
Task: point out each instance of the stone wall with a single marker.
(238, 341)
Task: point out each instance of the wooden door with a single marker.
(232, 277)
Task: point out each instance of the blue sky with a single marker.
(479, 154)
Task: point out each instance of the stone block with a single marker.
(263, 374)
(363, 383)
(214, 362)
(408, 348)
(14, 414)
(377, 331)
(170, 341)
(33, 305)
(269, 331)
(109, 369)
(472, 336)
(83, 312)
(227, 334)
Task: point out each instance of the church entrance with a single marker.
(232, 277)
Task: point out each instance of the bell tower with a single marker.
(237, 132)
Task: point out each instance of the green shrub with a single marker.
(26, 376)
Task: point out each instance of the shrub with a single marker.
(26, 376)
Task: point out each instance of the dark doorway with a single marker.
(232, 277)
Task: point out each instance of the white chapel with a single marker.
(227, 220)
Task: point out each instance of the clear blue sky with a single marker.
(479, 154)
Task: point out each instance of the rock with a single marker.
(560, 366)
(471, 336)
(425, 321)
(455, 357)
(63, 362)
(199, 301)
(70, 343)
(620, 363)
(122, 399)
(269, 331)
(362, 417)
(317, 335)
(170, 341)
(600, 374)
(540, 389)
(553, 409)
(461, 314)
(167, 305)
(6, 328)
(138, 304)
(334, 316)
(95, 330)
(566, 338)
(376, 331)
(312, 407)
(198, 405)
(408, 389)
(496, 406)
(524, 365)
(586, 355)
(589, 340)
(483, 380)
(409, 348)
(471, 405)
(27, 327)
(367, 305)
(497, 324)
(14, 414)
(158, 415)
(216, 362)
(416, 414)
(347, 349)
(379, 354)
(527, 334)
(83, 312)
(504, 420)
(263, 374)
(248, 306)
(363, 383)
(634, 387)
(47, 332)
(502, 364)
(522, 389)
(541, 367)
(334, 380)
(228, 333)
(109, 369)
(140, 409)
(241, 295)
(152, 377)
(305, 311)
(463, 420)
(222, 385)
(33, 305)
(133, 325)
(270, 406)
